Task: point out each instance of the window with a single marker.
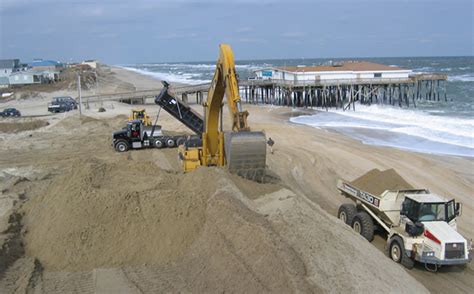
(432, 212)
(411, 209)
(451, 211)
(378, 75)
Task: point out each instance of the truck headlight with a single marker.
(429, 254)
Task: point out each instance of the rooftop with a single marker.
(344, 66)
(426, 198)
(9, 63)
(45, 63)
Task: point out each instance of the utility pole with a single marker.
(79, 92)
(96, 82)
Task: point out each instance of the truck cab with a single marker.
(134, 136)
(429, 232)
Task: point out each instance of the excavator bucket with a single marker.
(245, 154)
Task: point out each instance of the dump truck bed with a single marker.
(376, 182)
(382, 192)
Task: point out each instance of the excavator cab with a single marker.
(140, 114)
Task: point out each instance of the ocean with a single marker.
(445, 128)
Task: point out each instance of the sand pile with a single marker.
(376, 181)
(109, 214)
(135, 215)
(16, 127)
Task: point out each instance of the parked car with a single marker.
(62, 104)
(8, 112)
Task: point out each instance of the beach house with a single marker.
(91, 63)
(26, 78)
(8, 66)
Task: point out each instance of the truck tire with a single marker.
(170, 143)
(363, 224)
(396, 251)
(159, 143)
(180, 141)
(346, 213)
(121, 146)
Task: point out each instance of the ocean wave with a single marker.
(449, 131)
(184, 78)
(199, 66)
(424, 69)
(461, 78)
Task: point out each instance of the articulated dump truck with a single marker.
(420, 226)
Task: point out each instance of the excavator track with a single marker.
(246, 154)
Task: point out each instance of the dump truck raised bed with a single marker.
(420, 226)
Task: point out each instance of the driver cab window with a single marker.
(451, 210)
(412, 208)
(432, 212)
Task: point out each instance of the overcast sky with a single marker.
(130, 31)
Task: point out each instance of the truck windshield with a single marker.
(432, 212)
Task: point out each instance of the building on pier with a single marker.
(349, 70)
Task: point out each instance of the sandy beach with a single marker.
(92, 220)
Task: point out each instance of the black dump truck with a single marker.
(137, 136)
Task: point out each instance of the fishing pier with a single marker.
(338, 85)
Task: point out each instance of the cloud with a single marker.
(92, 11)
(294, 35)
(244, 30)
(251, 40)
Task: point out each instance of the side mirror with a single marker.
(458, 209)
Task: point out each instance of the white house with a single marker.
(92, 63)
(26, 78)
(8, 66)
(352, 70)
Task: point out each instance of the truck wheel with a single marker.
(159, 144)
(397, 253)
(180, 141)
(121, 146)
(347, 212)
(364, 225)
(170, 143)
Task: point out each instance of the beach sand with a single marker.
(316, 250)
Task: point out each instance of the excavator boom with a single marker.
(242, 151)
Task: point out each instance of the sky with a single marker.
(138, 31)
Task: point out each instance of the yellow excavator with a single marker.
(241, 150)
(140, 114)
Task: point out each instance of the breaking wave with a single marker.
(407, 129)
(183, 78)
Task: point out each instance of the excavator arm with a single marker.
(223, 83)
(242, 151)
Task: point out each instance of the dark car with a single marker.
(62, 104)
(10, 112)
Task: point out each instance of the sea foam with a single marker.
(407, 128)
(183, 78)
